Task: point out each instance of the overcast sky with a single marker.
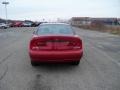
(52, 9)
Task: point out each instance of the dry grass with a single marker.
(103, 28)
(113, 29)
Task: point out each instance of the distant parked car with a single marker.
(118, 22)
(16, 24)
(35, 24)
(3, 26)
(27, 24)
(9, 24)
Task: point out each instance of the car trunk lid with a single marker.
(56, 43)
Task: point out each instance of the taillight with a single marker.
(75, 44)
(36, 45)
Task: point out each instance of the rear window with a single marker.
(54, 29)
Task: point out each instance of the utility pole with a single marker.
(6, 3)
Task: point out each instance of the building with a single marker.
(80, 21)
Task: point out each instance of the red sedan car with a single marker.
(16, 24)
(55, 42)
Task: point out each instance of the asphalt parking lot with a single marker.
(99, 68)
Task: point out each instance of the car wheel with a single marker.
(34, 63)
(5, 27)
(75, 63)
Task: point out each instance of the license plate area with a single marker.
(61, 45)
(48, 45)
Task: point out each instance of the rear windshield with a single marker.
(54, 29)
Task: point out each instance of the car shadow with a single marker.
(56, 67)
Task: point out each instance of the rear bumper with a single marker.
(55, 56)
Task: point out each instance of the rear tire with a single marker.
(34, 63)
(75, 63)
